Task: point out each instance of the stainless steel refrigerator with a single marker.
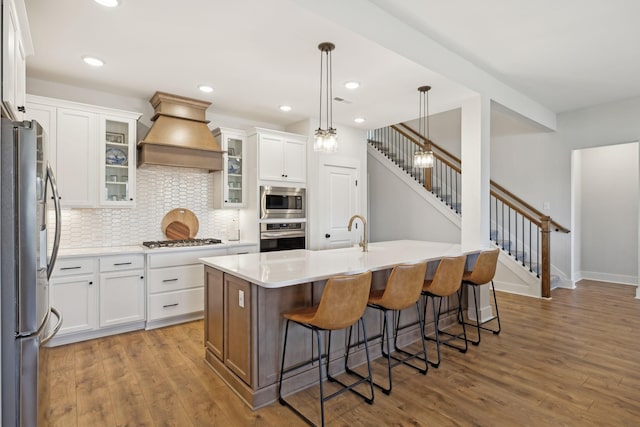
(26, 267)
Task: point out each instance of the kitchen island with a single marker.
(245, 297)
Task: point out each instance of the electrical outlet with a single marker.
(241, 299)
(546, 206)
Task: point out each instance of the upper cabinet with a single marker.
(16, 46)
(230, 184)
(282, 156)
(92, 150)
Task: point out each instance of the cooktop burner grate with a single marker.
(180, 243)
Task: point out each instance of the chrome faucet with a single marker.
(363, 243)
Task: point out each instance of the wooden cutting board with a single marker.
(180, 224)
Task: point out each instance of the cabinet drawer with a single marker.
(182, 257)
(175, 303)
(175, 278)
(121, 262)
(248, 249)
(72, 266)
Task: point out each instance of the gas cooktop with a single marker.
(180, 243)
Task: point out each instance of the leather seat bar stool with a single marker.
(343, 302)
(483, 272)
(402, 290)
(446, 282)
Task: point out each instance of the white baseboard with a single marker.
(607, 277)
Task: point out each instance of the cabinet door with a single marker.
(295, 161)
(271, 160)
(76, 298)
(9, 56)
(121, 297)
(117, 161)
(237, 329)
(46, 116)
(76, 160)
(236, 177)
(214, 328)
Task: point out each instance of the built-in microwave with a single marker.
(282, 202)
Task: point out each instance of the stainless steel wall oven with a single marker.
(282, 236)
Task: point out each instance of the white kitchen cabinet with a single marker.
(117, 160)
(16, 45)
(230, 184)
(92, 151)
(73, 291)
(98, 296)
(76, 158)
(282, 156)
(175, 282)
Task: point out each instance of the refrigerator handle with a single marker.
(56, 237)
(56, 328)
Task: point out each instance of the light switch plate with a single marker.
(241, 299)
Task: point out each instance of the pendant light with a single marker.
(326, 139)
(423, 158)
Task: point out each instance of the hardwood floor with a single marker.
(572, 360)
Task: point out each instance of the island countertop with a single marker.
(286, 268)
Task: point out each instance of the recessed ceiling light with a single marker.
(108, 3)
(93, 61)
(359, 120)
(285, 108)
(352, 85)
(205, 88)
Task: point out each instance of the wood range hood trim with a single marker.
(179, 135)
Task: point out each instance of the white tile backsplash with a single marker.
(159, 189)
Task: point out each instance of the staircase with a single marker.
(521, 231)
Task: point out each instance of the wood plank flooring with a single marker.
(573, 360)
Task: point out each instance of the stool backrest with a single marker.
(403, 286)
(448, 276)
(343, 301)
(485, 267)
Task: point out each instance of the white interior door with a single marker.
(339, 202)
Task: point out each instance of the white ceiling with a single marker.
(259, 54)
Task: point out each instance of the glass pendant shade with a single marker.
(326, 140)
(423, 159)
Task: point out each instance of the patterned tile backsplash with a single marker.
(158, 190)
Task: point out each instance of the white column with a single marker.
(475, 132)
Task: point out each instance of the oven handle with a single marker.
(280, 234)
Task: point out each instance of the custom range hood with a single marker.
(179, 135)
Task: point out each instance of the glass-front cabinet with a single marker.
(230, 185)
(118, 161)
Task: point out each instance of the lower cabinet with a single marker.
(121, 297)
(98, 296)
(175, 283)
(237, 317)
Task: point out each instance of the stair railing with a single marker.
(517, 227)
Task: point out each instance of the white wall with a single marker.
(352, 147)
(398, 212)
(608, 206)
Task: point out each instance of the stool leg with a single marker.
(329, 377)
(385, 327)
(495, 301)
(436, 321)
(320, 374)
(475, 302)
(284, 352)
(366, 350)
(424, 345)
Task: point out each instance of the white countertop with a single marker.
(285, 268)
(132, 249)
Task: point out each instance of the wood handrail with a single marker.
(424, 147)
(497, 186)
(410, 129)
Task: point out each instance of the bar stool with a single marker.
(401, 291)
(446, 282)
(483, 272)
(343, 302)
